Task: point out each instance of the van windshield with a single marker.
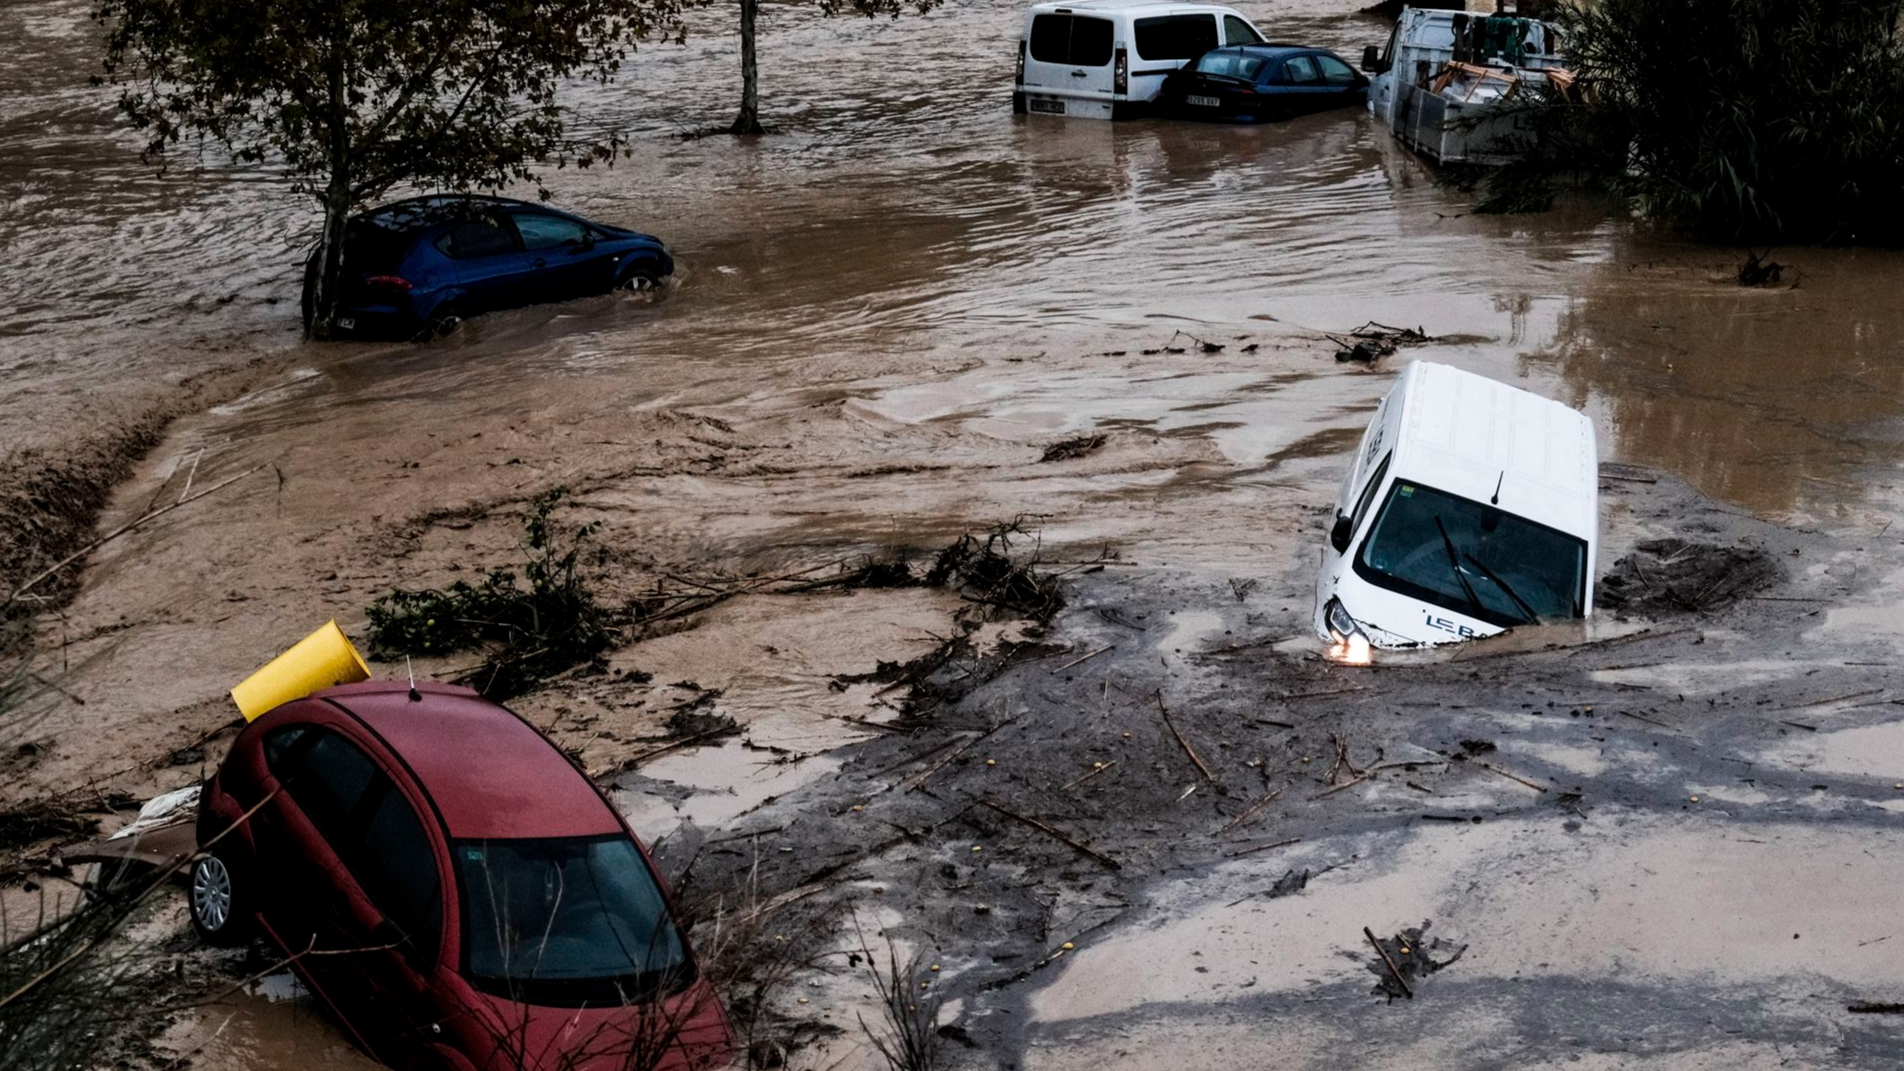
(577, 920)
(1473, 558)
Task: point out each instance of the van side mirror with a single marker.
(1371, 59)
(1339, 534)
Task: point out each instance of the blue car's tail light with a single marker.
(388, 282)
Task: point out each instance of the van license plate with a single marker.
(1049, 107)
(1203, 102)
(347, 322)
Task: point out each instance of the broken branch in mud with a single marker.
(1253, 849)
(1867, 1007)
(1392, 969)
(1086, 658)
(1359, 778)
(1510, 776)
(1181, 742)
(918, 782)
(1251, 812)
(1053, 832)
(1095, 770)
(126, 528)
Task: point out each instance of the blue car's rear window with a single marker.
(372, 248)
(1232, 64)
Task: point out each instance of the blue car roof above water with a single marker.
(1270, 51)
(419, 212)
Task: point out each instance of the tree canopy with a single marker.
(357, 97)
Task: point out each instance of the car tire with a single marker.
(640, 279)
(443, 322)
(220, 899)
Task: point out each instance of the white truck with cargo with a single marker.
(1452, 85)
(1107, 59)
(1470, 507)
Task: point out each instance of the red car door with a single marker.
(322, 780)
(396, 869)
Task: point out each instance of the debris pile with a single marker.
(1673, 575)
(1372, 341)
(1403, 960)
(1067, 449)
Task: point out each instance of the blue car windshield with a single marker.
(1231, 65)
(567, 921)
(1473, 558)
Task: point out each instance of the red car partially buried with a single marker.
(452, 887)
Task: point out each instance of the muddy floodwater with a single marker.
(882, 316)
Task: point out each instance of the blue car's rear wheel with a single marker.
(445, 320)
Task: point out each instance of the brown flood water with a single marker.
(907, 278)
(905, 219)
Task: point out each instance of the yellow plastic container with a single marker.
(321, 660)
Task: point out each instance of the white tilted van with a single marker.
(1106, 59)
(1471, 507)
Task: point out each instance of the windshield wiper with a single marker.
(1532, 617)
(1454, 563)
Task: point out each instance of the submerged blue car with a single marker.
(417, 268)
(1253, 83)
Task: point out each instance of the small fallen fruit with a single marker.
(991, 762)
(1127, 736)
(857, 807)
(804, 1000)
(1100, 766)
(1695, 799)
(1068, 946)
(977, 848)
(935, 968)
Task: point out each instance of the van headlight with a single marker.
(1351, 643)
(1341, 625)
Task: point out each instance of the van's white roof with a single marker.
(1464, 433)
(1129, 5)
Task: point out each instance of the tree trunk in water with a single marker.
(330, 250)
(748, 122)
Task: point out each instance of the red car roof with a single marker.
(490, 774)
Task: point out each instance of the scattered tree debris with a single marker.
(1372, 341)
(1408, 957)
(1674, 575)
(1067, 449)
(1758, 271)
(995, 581)
(1867, 1007)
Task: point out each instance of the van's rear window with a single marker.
(1169, 37)
(1071, 39)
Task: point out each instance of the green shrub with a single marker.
(529, 633)
(1744, 120)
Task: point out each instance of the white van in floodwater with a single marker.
(1471, 507)
(1107, 59)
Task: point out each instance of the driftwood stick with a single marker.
(1181, 742)
(1053, 832)
(1392, 969)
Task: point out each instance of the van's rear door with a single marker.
(1068, 59)
(1165, 43)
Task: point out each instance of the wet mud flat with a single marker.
(1162, 827)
